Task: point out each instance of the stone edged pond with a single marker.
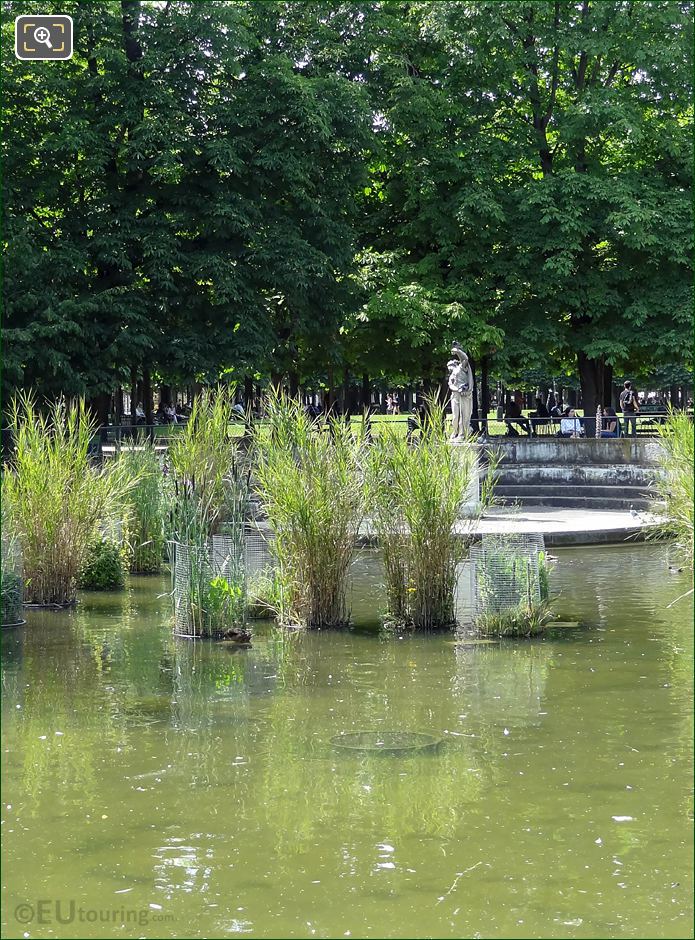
(191, 789)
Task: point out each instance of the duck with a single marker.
(237, 635)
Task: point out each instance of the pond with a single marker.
(192, 790)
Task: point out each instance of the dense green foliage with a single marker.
(104, 566)
(304, 189)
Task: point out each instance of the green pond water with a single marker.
(158, 788)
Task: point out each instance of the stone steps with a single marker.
(532, 493)
(578, 501)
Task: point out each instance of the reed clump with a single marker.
(11, 581)
(675, 486)
(415, 495)
(145, 528)
(309, 479)
(58, 497)
(209, 497)
(205, 458)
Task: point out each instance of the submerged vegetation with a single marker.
(309, 478)
(415, 495)
(58, 498)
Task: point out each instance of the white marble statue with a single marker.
(461, 388)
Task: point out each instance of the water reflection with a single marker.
(201, 778)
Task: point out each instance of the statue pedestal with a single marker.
(471, 502)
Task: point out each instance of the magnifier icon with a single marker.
(42, 34)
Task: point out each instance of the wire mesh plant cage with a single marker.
(209, 585)
(12, 581)
(265, 589)
(505, 578)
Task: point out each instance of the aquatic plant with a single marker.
(265, 592)
(415, 494)
(209, 497)
(308, 476)
(674, 487)
(224, 604)
(205, 459)
(103, 568)
(511, 587)
(545, 567)
(11, 582)
(147, 507)
(520, 621)
(58, 497)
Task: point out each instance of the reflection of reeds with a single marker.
(309, 479)
(145, 529)
(415, 497)
(675, 486)
(58, 497)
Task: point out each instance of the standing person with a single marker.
(629, 405)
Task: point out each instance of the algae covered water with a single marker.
(161, 788)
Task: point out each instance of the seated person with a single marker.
(570, 425)
(541, 415)
(611, 425)
(514, 415)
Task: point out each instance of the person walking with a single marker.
(629, 405)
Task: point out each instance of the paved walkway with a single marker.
(566, 526)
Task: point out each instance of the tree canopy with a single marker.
(277, 188)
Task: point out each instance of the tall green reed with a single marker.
(145, 529)
(309, 478)
(415, 496)
(209, 496)
(675, 486)
(205, 458)
(11, 581)
(58, 497)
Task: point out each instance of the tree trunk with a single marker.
(484, 389)
(345, 392)
(330, 395)
(165, 394)
(248, 392)
(147, 395)
(366, 391)
(133, 396)
(596, 378)
(294, 383)
(475, 424)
